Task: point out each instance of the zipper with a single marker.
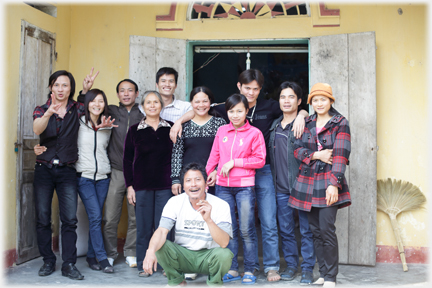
(127, 126)
(95, 145)
(235, 135)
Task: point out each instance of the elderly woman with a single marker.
(147, 170)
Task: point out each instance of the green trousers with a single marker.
(177, 260)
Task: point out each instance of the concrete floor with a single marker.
(382, 275)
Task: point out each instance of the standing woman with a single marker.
(321, 188)
(147, 171)
(197, 138)
(238, 150)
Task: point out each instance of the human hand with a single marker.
(298, 126)
(227, 167)
(131, 195)
(150, 262)
(332, 195)
(176, 189)
(204, 209)
(326, 156)
(211, 179)
(88, 81)
(54, 107)
(176, 129)
(38, 150)
(106, 122)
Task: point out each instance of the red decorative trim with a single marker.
(170, 16)
(201, 8)
(336, 25)
(248, 15)
(292, 4)
(328, 12)
(169, 29)
(10, 257)
(390, 254)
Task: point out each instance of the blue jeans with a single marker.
(93, 194)
(244, 199)
(63, 180)
(266, 201)
(148, 211)
(285, 216)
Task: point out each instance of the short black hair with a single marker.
(235, 99)
(293, 85)
(250, 75)
(57, 74)
(195, 167)
(166, 71)
(127, 80)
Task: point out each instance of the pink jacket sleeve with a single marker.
(257, 158)
(214, 157)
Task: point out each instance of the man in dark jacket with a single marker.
(125, 115)
(285, 167)
(57, 123)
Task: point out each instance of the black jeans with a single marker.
(148, 211)
(64, 181)
(322, 224)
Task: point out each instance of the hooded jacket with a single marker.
(246, 146)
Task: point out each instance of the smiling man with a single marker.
(202, 231)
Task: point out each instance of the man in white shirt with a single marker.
(166, 82)
(202, 232)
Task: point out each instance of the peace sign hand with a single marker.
(88, 81)
(54, 107)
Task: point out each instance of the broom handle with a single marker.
(396, 232)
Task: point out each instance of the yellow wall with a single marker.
(99, 37)
(14, 13)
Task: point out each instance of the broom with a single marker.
(394, 197)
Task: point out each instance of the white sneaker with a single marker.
(111, 261)
(190, 276)
(319, 281)
(131, 261)
(329, 284)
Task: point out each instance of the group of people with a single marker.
(226, 158)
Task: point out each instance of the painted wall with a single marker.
(98, 36)
(14, 13)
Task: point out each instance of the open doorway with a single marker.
(218, 67)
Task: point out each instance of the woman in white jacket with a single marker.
(93, 172)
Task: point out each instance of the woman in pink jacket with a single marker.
(238, 149)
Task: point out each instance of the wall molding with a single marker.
(323, 16)
(171, 21)
(390, 254)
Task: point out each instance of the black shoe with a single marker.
(72, 272)
(288, 274)
(93, 264)
(306, 278)
(106, 266)
(47, 269)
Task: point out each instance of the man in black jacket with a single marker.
(125, 115)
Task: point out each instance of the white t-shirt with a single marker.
(191, 231)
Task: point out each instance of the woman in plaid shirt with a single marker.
(321, 188)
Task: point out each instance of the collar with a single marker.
(143, 125)
(172, 103)
(335, 118)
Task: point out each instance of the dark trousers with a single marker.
(64, 181)
(322, 224)
(148, 210)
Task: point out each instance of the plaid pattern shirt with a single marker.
(39, 111)
(315, 176)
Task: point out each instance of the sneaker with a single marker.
(319, 281)
(111, 261)
(329, 284)
(190, 276)
(131, 261)
(289, 274)
(306, 278)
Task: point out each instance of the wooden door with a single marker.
(37, 58)
(148, 54)
(347, 62)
